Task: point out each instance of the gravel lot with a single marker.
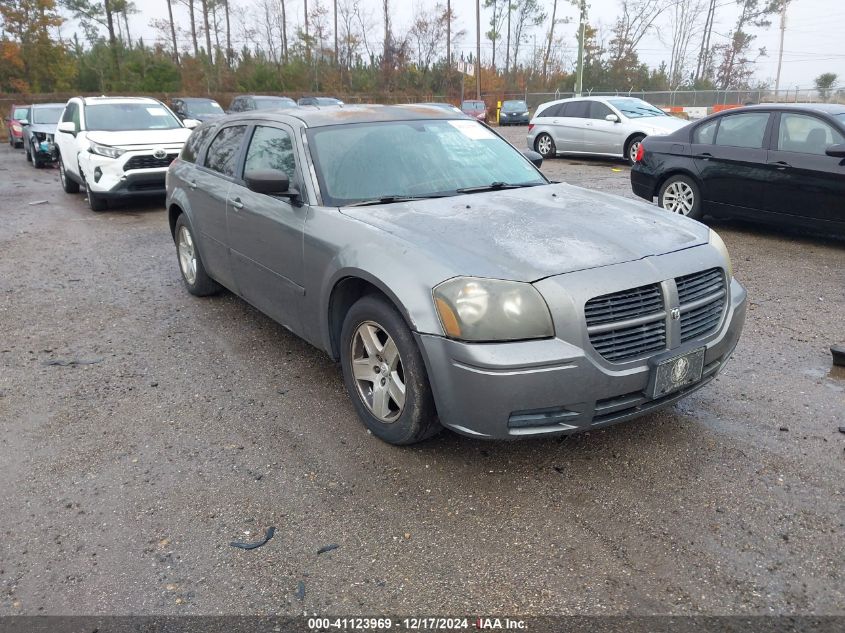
(200, 421)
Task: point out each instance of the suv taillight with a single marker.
(530, 126)
(640, 153)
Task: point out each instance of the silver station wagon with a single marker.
(455, 284)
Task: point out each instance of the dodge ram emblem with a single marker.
(676, 314)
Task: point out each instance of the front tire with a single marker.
(680, 194)
(632, 148)
(193, 272)
(28, 153)
(385, 375)
(545, 145)
(97, 203)
(68, 184)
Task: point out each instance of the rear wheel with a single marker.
(69, 185)
(680, 194)
(193, 272)
(545, 145)
(385, 374)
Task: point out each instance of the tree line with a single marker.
(355, 47)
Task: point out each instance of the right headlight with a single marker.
(106, 150)
(477, 309)
(717, 243)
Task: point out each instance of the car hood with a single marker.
(44, 128)
(535, 232)
(660, 123)
(147, 138)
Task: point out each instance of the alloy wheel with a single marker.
(378, 371)
(632, 151)
(544, 145)
(187, 255)
(679, 197)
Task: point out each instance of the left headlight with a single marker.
(477, 309)
(717, 243)
(106, 150)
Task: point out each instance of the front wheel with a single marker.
(680, 194)
(634, 148)
(28, 154)
(385, 374)
(68, 184)
(97, 203)
(545, 145)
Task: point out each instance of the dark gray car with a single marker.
(455, 284)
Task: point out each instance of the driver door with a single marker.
(266, 232)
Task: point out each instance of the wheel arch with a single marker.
(627, 144)
(679, 171)
(173, 213)
(345, 291)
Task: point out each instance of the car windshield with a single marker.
(47, 115)
(636, 108)
(204, 107)
(426, 158)
(117, 117)
(473, 105)
(20, 113)
(272, 104)
(841, 117)
(515, 106)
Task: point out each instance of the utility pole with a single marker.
(579, 80)
(780, 51)
(448, 35)
(478, 49)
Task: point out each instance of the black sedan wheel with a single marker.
(679, 194)
(545, 145)
(385, 375)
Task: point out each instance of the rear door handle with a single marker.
(237, 204)
(192, 184)
(705, 156)
(780, 165)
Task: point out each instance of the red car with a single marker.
(476, 109)
(17, 114)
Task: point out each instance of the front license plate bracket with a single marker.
(676, 372)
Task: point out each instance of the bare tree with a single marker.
(284, 29)
(173, 32)
(684, 17)
(428, 33)
(736, 67)
(528, 15)
(702, 68)
(550, 38)
(497, 19)
(637, 19)
(207, 30)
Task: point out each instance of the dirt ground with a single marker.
(194, 422)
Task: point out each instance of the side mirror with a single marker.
(23, 121)
(270, 182)
(533, 156)
(612, 118)
(68, 127)
(837, 151)
(191, 123)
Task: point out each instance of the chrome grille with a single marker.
(148, 161)
(702, 299)
(627, 324)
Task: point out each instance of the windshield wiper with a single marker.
(392, 199)
(496, 186)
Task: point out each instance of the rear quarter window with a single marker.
(191, 149)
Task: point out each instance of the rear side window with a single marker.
(743, 130)
(705, 134)
(577, 110)
(222, 155)
(191, 149)
(549, 110)
(805, 134)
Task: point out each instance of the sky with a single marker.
(812, 44)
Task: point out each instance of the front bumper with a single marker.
(116, 177)
(513, 119)
(551, 386)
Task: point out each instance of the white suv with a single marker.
(118, 147)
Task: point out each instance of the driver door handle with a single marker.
(193, 184)
(780, 165)
(705, 156)
(237, 204)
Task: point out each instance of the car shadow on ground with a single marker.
(775, 231)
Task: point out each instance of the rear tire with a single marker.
(545, 145)
(680, 194)
(385, 375)
(191, 267)
(68, 184)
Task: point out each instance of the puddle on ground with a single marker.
(835, 372)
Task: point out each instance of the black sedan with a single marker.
(776, 163)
